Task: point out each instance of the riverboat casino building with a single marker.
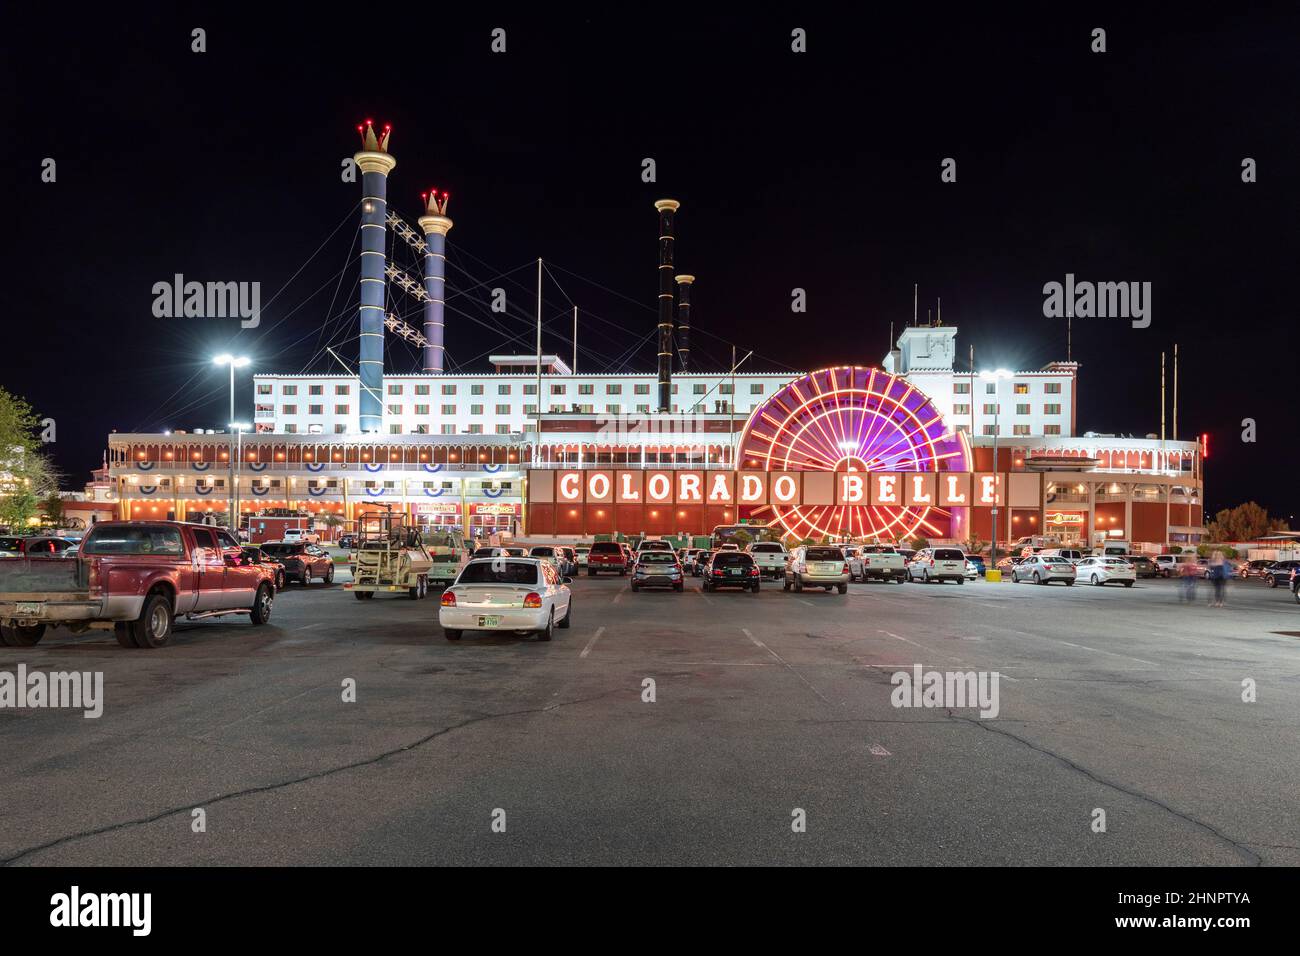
(472, 452)
(532, 447)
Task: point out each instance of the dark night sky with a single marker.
(819, 171)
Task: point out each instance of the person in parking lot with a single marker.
(1187, 573)
(1219, 571)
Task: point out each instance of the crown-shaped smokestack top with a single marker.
(372, 142)
(433, 205)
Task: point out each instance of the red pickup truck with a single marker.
(136, 577)
(607, 556)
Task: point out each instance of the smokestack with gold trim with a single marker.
(684, 321)
(436, 225)
(666, 208)
(375, 164)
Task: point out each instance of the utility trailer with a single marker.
(390, 557)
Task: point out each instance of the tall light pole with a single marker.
(238, 428)
(234, 362)
(996, 377)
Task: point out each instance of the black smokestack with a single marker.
(666, 207)
(684, 321)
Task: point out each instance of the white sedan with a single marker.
(1099, 571)
(506, 594)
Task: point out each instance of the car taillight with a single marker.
(753, 570)
(718, 572)
(532, 599)
(448, 599)
(932, 562)
(844, 570)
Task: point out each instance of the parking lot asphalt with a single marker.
(764, 705)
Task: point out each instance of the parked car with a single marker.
(937, 564)
(14, 546)
(702, 558)
(553, 554)
(607, 556)
(1010, 561)
(1109, 570)
(512, 594)
(731, 569)
(816, 566)
(580, 554)
(881, 561)
(1073, 555)
(255, 555)
(1143, 567)
(1253, 569)
(305, 535)
(770, 556)
(658, 569)
(302, 561)
(348, 540)
(1279, 573)
(653, 544)
(1043, 569)
(978, 561)
(137, 577)
(908, 554)
(972, 570)
(1167, 564)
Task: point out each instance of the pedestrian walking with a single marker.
(1187, 572)
(1219, 571)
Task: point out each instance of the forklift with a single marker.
(390, 556)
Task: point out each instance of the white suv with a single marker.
(937, 564)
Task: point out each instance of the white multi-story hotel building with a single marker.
(504, 402)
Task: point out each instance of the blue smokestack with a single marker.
(375, 163)
(436, 225)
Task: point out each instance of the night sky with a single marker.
(818, 170)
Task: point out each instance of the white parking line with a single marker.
(750, 634)
(591, 643)
(619, 596)
(907, 640)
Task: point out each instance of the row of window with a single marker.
(992, 408)
(1020, 388)
(504, 388)
(450, 410)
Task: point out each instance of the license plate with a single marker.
(34, 608)
(733, 571)
(489, 620)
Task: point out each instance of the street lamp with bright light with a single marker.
(996, 376)
(234, 362)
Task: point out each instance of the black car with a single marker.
(731, 569)
(302, 561)
(1279, 573)
(347, 541)
(255, 555)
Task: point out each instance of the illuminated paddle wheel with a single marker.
(852, 419)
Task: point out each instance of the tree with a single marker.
(973, 545)
(26, 475)
(919, 543)
(1246, 522)
(742, 539)
(52, 506)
